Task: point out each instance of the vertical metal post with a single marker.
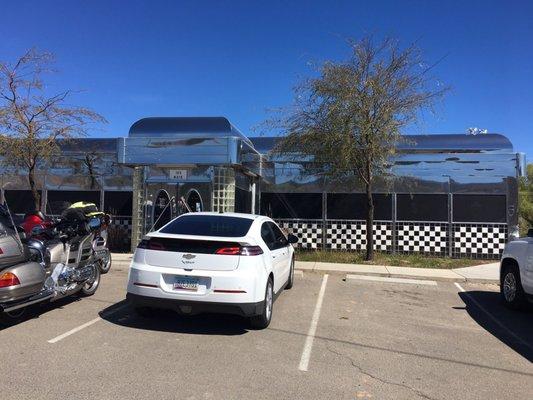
(253, 197)
(450, 224)
(102, 198)
(324, 218)
(394, 216)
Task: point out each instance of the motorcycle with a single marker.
(58, 261)
(99, 242)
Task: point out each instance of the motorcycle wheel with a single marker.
(89, 288)
(105, 264)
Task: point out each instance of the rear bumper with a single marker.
(245, 285)
(196, 307)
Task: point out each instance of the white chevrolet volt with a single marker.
(213, 262)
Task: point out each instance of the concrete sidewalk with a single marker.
(485, 273)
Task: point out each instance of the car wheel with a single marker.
(89, 287)
(511, 291)
(262, 320)
(290, 281)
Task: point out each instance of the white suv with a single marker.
(516, 272)
(213, 262)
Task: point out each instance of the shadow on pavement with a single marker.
(168, 321)
(514, 328)
(36, 310)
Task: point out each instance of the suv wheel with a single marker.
(512, 293)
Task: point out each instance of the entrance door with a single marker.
(194, 201)
(162, 209)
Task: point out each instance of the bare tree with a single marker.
(33, 122)
(348, 119)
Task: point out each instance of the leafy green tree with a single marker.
(525, 201)
(349, 118)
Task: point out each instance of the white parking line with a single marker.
(83, 326)
(306, 353)
(391, 280)
(496, 321)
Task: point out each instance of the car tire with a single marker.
(290, 280)
(511, 290)
(262, 320)
(88, 289)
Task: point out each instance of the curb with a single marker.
(345, 271)
(366, 270)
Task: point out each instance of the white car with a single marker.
(516, 272)
(213, 262)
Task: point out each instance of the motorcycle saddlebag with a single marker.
(11, 250)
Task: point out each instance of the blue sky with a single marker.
(133, 59)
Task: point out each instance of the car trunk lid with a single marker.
(191, 253)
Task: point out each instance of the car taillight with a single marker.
(251, 250)
(8, 279)
(229, 251)
(240, 251)
(155, 245)
(150, 245)
(1, 251)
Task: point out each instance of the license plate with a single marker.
(186, 283)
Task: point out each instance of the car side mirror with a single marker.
(293, 239)
(530, 232)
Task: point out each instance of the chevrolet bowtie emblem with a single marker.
(189, 256)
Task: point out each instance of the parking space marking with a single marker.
(391, 280)
(83, 326)
(306, 353)
(494, 319)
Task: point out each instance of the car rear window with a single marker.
(208, 225)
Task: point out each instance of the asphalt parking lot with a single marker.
(329, 338)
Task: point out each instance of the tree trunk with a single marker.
(369, 223)
(34, 192)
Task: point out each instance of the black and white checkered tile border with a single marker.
(422, 237)
(351, 235)
(122, 221)
(479, 240)
(309, 232)
(469, 240)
